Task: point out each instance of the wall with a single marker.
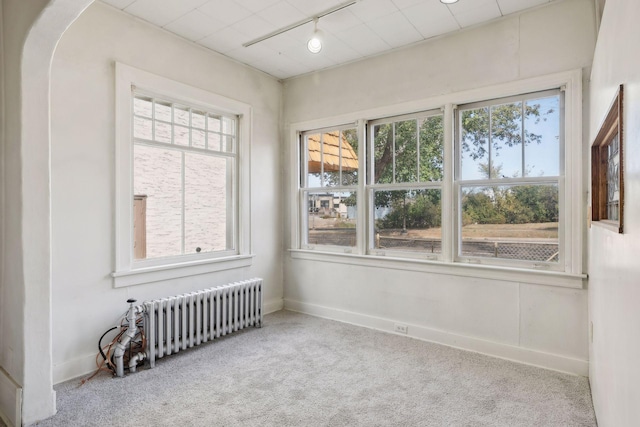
(85, 304)
(534, 323)
(614, 289)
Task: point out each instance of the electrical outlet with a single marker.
(400, 328)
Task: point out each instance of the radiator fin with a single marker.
(176, 323)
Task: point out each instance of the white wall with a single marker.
(85, 304)
(614, 288)
(534, 323)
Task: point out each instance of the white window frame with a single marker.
(418, 185)
(559, 180)
(570, 273)
(304, 188)
(130, 272)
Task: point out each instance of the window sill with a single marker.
(608, 225)
(141, 276)
(539, 277)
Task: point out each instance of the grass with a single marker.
(547, 230)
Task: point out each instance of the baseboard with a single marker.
(273, 305)
(540, 359)
(10, 400)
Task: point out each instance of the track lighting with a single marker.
(315, 41)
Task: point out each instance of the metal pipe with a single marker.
(121, 345)
(133, 362)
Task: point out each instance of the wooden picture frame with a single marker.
(607, 169)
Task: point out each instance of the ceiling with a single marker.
(366, 28)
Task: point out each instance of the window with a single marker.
(184, 163)
(182, 202)
(485, 185)
(607, 185)
(508, 178)
(405, 184)
(328, 186)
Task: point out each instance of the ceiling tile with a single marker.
(223, 40)
(252, 53)
(369, 10)
(253, 27)
(403, 4)
(338, 51)
(511, 6)
(471, 13)
(256, 5)
(281, 14)
(363, 40)
(281, 42)
(161, 12)
(395, 30)
(194, 25)
(313, 7)
(120, 4)
(227, 11)
(339, 21)
(431, 19)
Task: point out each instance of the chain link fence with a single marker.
(543, 251)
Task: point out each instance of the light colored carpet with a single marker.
(300, 370)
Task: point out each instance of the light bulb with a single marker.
(314, 44)
(448, 1)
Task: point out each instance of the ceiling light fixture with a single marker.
(315, 42)
(448, 1)
(300, 23)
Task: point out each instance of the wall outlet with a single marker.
(400, 328)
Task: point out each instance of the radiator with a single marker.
(180, 322)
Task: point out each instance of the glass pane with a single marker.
(163, 132)
(228, 126)
(157, 174)
(506, 141)
(207, 201)
(431, 148)
(181, 135)
(408, 220)
(331, 158)
(406, 155)
(228, 144)
(511, 222)
(474, 144)
(197, 138)
(163, 111)
(142, 107)
(213, 141)
(142, 128)
(197, 119)
(349, 157)
(181, 115)
(213, 123)
(383, 153)
(613, 179)
(542, 137)
(332, 218)
(314, 160)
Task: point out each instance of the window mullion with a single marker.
(182, 222)
(450, 216)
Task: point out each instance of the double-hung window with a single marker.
(509, 180)
(182, 201)
(328, 187)
(488, 179)
(405, 184)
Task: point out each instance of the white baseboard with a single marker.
(10, 400)
(273, 305)
(503, 351)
